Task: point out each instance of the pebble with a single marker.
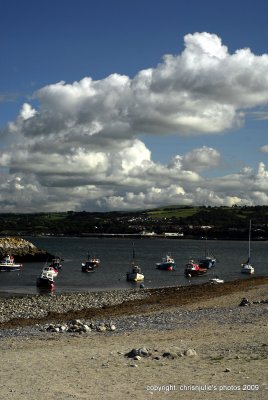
(40, 306)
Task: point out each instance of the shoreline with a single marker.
(188, 346)
(34, 309)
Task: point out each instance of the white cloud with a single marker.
(79, 148)
(264, 148)
(201, 159)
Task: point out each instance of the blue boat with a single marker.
(209, 260)
(8, 264)
(167, 263)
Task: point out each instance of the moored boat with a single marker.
(87, 266)
(247, 268)
(209, 260)
(167, 263)
(216, 280)
(91, 264)
(49, 269)
(192, 268)
(56, 263)
(45, 280)
(136, 275)
(8, 264)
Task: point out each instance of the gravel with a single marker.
(159, 320)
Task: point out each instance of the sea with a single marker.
(116, 255)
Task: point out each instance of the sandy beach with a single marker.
(206, 349)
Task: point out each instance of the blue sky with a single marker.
(178, 133)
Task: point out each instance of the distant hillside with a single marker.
(212, 222)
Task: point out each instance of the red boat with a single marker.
(193, 269)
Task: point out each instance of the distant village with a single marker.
(167, 222)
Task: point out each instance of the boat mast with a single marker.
(133, 254)
(249, 238)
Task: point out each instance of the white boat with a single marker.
(136, 274)
(8, 264)
(216, 280)
(51, 270)
(45, 280)
(247, 268)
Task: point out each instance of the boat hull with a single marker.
(135, 277)
(88, 267)
(194, 272)
(44, 283)
(247, 269)
(166, 266)
(10, 267)
(207, 263)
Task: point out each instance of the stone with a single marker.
(244, 302)
(190, 353)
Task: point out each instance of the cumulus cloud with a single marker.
(79, 147)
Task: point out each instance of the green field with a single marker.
(173, 212)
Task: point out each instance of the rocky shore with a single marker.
(130, 306)
(22, 250)
(202, 342)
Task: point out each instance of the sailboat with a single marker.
(247, 268)
(136, 274)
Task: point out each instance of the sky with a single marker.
(136, 104)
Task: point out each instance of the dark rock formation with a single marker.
(22, 250)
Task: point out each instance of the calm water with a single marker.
(116, 257)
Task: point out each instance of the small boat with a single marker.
(247, 268)
(91, 264)
(216, 280)
(45, 280)
(88, 267)
(193, 269)
(167, 263)
(209, 260)
(50, 269)
(8, 264)
(95, 261)
(56, 263)
(136, 274)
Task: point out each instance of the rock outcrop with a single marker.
(22, 250)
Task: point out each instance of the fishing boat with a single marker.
(8, 264)
(90, 264)
(87, 266)
(167, 263)
(247, 268)
(209, 260)
(51, 270)
(56, 263)
(192, 268)
(136, 275)
(45, 280)
(95, 261)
